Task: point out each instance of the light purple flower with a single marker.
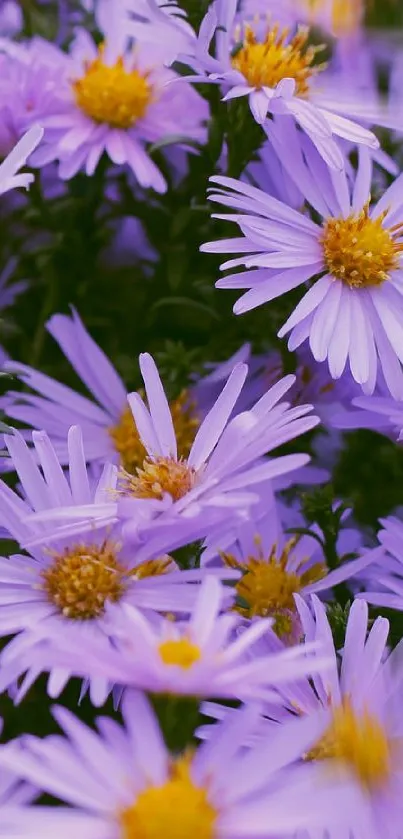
(352, 713)
(244, 69)
(226, 459)
(119, 780)
(68, 578)
(199, 657)
(10, 177)
(276, 564)
(30, 81)
(361, 727)
(219, 477)
(353, 312)
(140, 108)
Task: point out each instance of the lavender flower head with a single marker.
(115, 99)
(360, 729)
(347, 719)
(30, 84)
(277, 565)
(201, 657)
(278, 74)
(352, 311)
(226, 458)
(122, 781)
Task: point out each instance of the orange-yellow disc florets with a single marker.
(266, 63)
(178, 809)
(112, 94)
(80, 580)
(159, 476)
(360, 742)
(127, 443)
(359, 251)
(267, 586)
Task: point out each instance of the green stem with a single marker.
(178, 717)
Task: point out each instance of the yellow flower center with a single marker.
(112, 94)
(346, 15)
(83, 578)
(127, 443)
(267, 587)
(359, 251)
(266, 63)
(159, 476)
(358, 741)
(178, 809)
(180, 651)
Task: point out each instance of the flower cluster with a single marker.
(199, 560)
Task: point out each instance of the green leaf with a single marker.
(164, 302)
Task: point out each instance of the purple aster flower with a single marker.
(10, 177)
(68, 579)
(278, 73)
(29, 86)
(199, 657)
(276, 565)
(360, 727)
(226, 457)
(122, 782)
(116, 99)
(226, 461)
(352, 311)
(352, 713)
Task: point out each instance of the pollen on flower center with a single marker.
(112, 94)
(82, 578)
(359, 741)
(177, 809)
(359, 251)
(267, 586)
(159, 476)
(266, 63)
(127, 443)
(179, 651)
